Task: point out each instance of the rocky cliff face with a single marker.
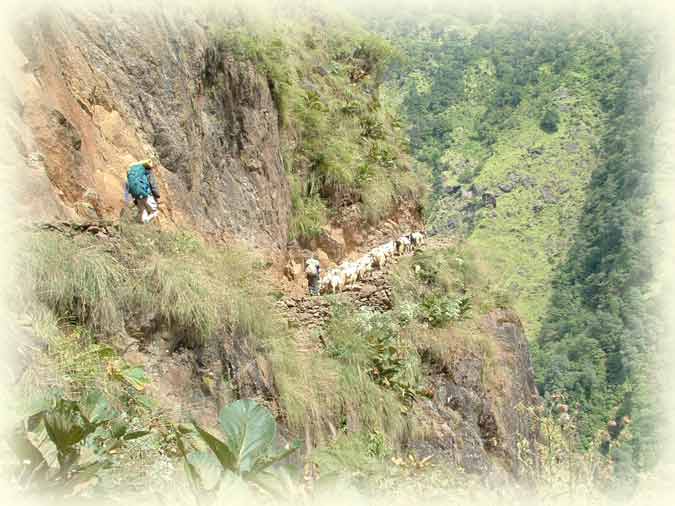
(473, 416)
(105, 88)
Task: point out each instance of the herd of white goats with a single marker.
(347, 274)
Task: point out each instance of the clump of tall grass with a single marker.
(360, 382)
(377, 199)
(309, 211)
(79, 279)
(194, 289)
(176, 290)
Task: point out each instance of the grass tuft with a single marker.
(194, 289)
(79, 280)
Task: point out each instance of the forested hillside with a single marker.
(537, 131)
(599, 333)
(513, 110)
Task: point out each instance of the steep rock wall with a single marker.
(473, 416)
(107, 87)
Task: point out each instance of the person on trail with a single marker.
(142, 186)
(313, 273)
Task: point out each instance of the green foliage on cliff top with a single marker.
(341, 132)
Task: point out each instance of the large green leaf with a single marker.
(63, 427)
(95, 409)
(204, 469)
(190, 470)
(226, 458)
(250, 430)
(35, 407)
(29, 455)
(39, 438)
(277, 484)
(272, 459)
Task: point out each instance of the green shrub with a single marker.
(549, 121)
(64, 445)
(439, 311)
(248, 449)
(309, 212)
(444, 285)
(371, 342)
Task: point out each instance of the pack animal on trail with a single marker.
(349, 273)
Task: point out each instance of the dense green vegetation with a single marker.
(342, 139)
(360, 387)
(550, 118)
(64, 443)
(510, 108)
(81, 296)
(599, 332)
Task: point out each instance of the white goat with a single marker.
(364, 265)
(388, 248)
(403, 245)
(351, 273)
(333, 281)
(416, 239)
(338, 278)
(379, 258)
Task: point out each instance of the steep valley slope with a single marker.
(538, 129)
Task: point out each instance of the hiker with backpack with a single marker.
(313, 273)
(142, 186)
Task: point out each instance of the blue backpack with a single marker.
(137, 181)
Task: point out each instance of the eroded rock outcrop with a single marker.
(474, 416)
(106, 88)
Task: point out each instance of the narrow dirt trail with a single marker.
(372, 293)
(306, 313)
